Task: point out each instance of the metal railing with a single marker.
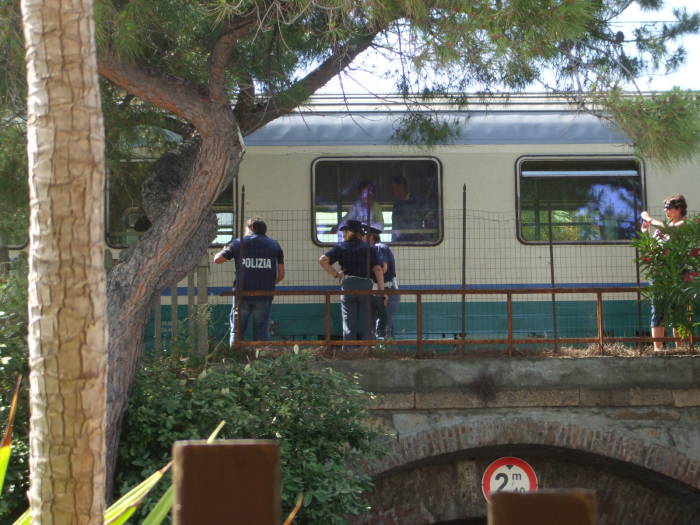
(420, 342)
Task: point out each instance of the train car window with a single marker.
(126, 219)
(399, 196)
(579, 200)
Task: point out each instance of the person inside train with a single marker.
(357, 261)
(384, 310)
(365, 209)
(676, 209)
(410, 215)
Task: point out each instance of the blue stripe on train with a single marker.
(217, 290)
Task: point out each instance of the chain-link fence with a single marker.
(479, 284)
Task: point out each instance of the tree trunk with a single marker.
(179, 235)
(174, 244)
(67, 310)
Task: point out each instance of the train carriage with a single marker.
(530, 193)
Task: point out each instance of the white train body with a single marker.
(507, 152)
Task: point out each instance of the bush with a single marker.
(14, 362)
(673, 271)
(317, 415)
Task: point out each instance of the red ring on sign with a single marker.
(516, 462)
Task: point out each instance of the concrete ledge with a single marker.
(536, 398)
(687, 398)
(515, 374)
(533, 398)
(434, 400)
(633, 397)
(646, 414)
(504, 399)
(394, 401)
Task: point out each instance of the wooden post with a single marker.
(328, 323)
(419, 325)
(202, 301)
(191, 333)
(599, 315)
(227, 481)
(509, 297)
(464, 265)
(4, 257)
(548, 507)
(157, 334)
(174, 325)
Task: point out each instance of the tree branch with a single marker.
(286, 101)
(246, 97)
(167, 92)
(220, 55)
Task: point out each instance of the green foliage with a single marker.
(673, 270)
(6, 444)
(136, 132)
(505, 44)
(318, 416)
(421, 129)
(13, 77)
(664, 127)
(13, 362)
(120, 511)
(571, 47)
(280, 38)
(14, 197)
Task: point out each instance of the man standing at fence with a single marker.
(357, 261)
(259, 267)
(382, 309)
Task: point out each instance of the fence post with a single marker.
(419, 325)
(157, 334)
(240, 274)
(328, 322)
(552, 279)
(543, 508)
(601, 328)
(464, 264)
(174, 321)
(509, 297)
(191, 332)
(202, 301)
(639, 296)
(228, 481)
(4, 258)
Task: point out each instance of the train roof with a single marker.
(372, 121)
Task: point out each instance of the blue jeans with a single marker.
(384, 315)
(356, 309)
(259, 308)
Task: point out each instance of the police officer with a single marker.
(352, 255)
(384, 310)
(259, 266)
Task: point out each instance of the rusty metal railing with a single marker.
(420, 342)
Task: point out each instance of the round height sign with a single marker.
(508, 475)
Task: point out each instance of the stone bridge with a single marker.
(627, 427)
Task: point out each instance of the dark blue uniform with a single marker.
(384, 315)
(353, 256)
(256, 269)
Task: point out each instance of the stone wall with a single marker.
(627, 427)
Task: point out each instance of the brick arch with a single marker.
(474, 434)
